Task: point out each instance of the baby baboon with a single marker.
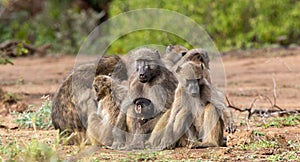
(173, 54)
(75, 100)
(143, 109)
(141, 116)
(109, 95)
(151, 80)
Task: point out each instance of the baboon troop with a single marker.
(167, 101)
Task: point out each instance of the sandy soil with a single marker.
(249, 74)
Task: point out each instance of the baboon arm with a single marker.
(158, 96)
(120, 126)
(182, 123)
(149, 126)
(159, 129)
(218, 100)
(230, 126)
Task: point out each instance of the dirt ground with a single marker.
(249, 74)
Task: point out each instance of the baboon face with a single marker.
(102, 86)
(145, 70)
(143, 108)
(191, 75)
(199, 56)
(176, 49)
(192, 87)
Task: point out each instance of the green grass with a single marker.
(257, 133)
(285, 156)
(40, 119)
(28, 151)
(279, 122)
(260, 144)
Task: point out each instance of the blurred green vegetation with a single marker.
(232, 24)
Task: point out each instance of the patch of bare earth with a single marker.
(249, 74)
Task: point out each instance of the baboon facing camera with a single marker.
(190, 116)
(152, 81)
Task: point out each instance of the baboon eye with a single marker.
(183, 53)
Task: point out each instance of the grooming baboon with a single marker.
(151, 80)
(190, 116)
(173, 54)
(109, 95)
(198, 55)
(216, 97)
(75, 99)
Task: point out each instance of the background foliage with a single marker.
(232, 24)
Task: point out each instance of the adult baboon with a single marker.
(75, 99)
(198, 55)
(151, 80)
(109, 95)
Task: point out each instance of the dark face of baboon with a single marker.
(192, 87)
(102, 86)
(145, 70)
(191, 74)
(144, 109)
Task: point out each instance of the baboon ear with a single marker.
(178, 69)
(157, 52)
(202, 66)
(205, 59)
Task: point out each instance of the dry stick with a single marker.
(262, 112)
(274, 93)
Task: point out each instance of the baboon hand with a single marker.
(230, 127)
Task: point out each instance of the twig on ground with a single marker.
(264, 112)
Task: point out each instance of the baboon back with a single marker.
(75, 99)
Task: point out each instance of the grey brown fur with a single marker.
(190, 117)
(109, 94)
(151, 80)
(75, 99)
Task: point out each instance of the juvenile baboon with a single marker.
(186, 103)
(151, 80)
(190, 111)
(75, 99)
(216, 97)
(173, 54)
(109, 94)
